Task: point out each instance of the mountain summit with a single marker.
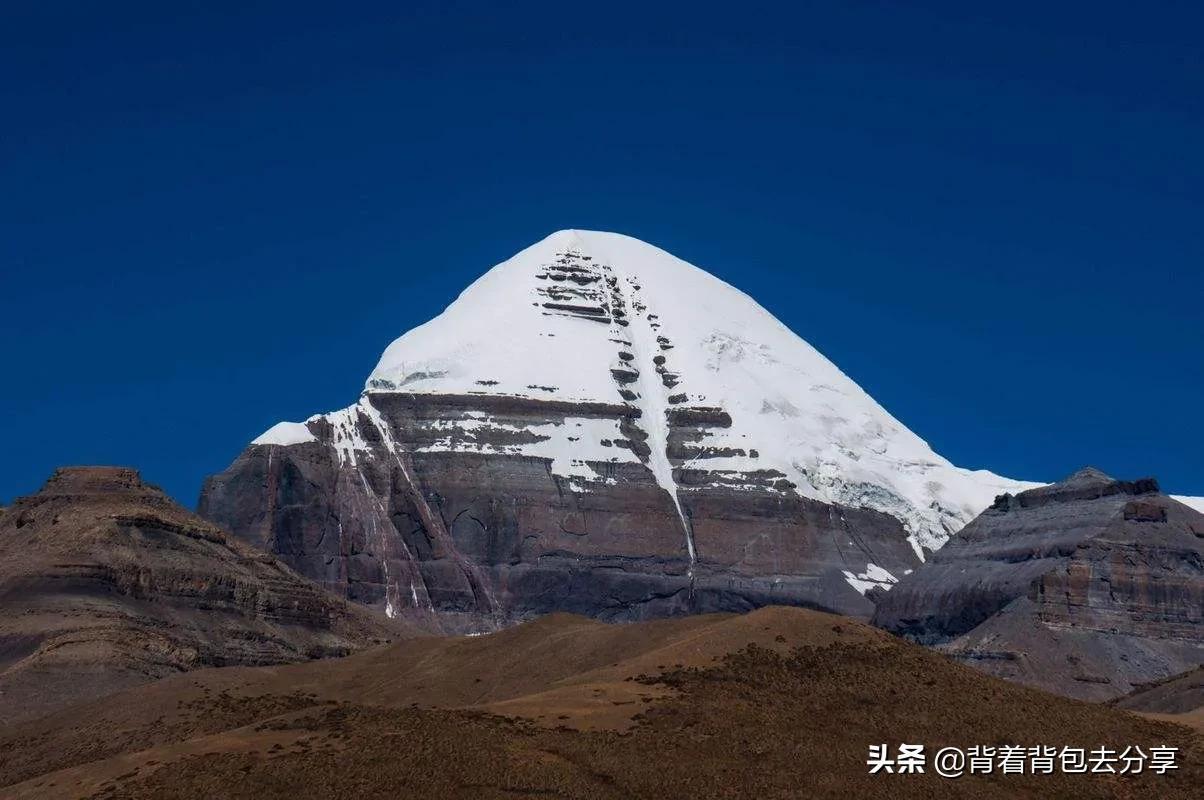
(627, 382)
(585, 316)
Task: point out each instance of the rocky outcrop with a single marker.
(383, 507)
(1088, 587)
(105, 582)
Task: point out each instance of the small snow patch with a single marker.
(874, 575)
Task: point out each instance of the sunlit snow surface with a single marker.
(1195, 502)
(548, 324)
(285, 433)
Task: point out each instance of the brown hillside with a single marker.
(778, 703)
(1178, 699)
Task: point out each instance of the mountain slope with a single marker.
(106, 583)
(594, 398)
(1177, 694)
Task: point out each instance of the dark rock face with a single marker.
(105, 582)
(1087, 588)
(425, 506)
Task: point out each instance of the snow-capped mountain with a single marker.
(628, 376)
(586, 317)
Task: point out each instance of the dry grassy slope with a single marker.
(560, 653)
(1191, 719)
(1178, 694)
(1179, 699)
(792, 717)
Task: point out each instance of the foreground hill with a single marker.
(106, 583)
(1088, 588)
(779, 703)
(1177, 699)
(596, 426)
(1180, 693)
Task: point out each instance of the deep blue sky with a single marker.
(214, 219)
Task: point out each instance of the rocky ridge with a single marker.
(105, 583)
(1088, 588)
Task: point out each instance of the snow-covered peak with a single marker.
(600, 317)
(531, 318)
(507, 322)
